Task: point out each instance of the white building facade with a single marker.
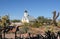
(27, 18)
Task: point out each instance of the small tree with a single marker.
(5, 22)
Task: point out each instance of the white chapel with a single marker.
(27, 18)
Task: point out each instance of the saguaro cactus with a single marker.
(55, 17)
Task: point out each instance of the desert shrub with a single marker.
(24, 29)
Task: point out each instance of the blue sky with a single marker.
(15, 8)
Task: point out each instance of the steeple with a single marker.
(25, 13)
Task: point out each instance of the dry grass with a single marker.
(44, 28)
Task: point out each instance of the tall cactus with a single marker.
(55, 17)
